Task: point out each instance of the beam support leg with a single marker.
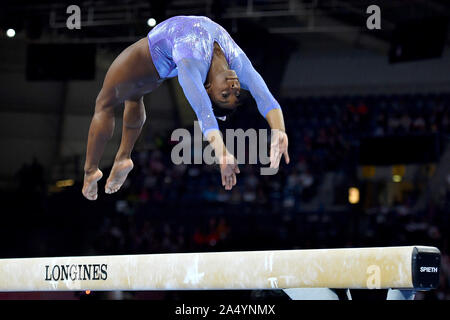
(311, 294)
(396, 294)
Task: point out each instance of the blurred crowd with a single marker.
(164, 207)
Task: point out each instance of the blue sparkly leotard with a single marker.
(183, 46)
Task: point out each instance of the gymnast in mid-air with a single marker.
(211, 70)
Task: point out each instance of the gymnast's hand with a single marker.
(228, 170)
(278, 148)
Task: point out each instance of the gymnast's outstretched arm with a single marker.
(190, 79)
(269, 108)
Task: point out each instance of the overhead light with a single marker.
(10, 33)
(353, 195)
(397, 178)
(151, 22)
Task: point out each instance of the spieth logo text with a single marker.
(429, 269)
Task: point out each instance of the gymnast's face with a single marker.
(224, 91)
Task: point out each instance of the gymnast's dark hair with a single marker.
(222, 112)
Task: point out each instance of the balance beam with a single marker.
(408, 267)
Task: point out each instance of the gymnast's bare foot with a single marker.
(118, 175)
(90, 184)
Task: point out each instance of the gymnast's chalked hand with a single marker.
(278, 148)
(228, 171)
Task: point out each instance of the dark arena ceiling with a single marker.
(124, 21)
